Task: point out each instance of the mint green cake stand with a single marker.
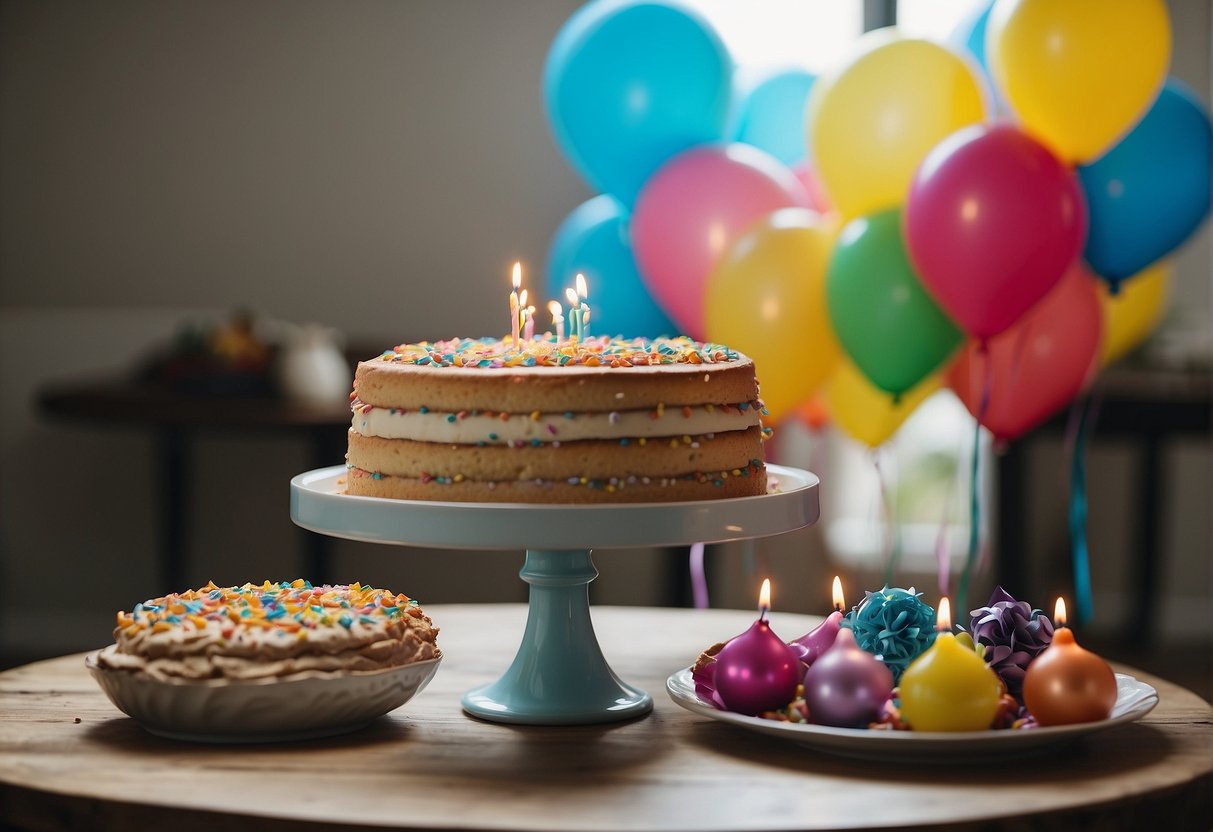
(559, 675)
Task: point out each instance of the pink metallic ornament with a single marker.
(756, 671)
(847, 687)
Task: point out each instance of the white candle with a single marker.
(557, 311)
(528, 315)
(583, 309)
(574, 313)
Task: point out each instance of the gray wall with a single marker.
(375, 166)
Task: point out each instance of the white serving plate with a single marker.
(1134, 700)
(302, 706)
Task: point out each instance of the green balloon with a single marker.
(882, 315)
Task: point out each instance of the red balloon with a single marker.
(1039, 364)
(992, 221)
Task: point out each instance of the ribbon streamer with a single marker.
(962, 590)
(699, 580)
(892, 539)
(1079, 552)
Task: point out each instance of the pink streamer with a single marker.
(699, 581)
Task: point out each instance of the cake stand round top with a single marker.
(319, 503)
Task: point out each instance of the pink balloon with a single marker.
(819, 200)
(992, 221)
(692, 210)
(1038, 364)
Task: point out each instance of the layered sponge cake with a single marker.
(599, 420)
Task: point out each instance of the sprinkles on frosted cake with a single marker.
(259, 631)
(557, 421)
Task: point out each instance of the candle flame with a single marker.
(943, 616)
(571, 295)
(522, 299)
(517, 279)
(764, 596)
(556, 310)
(1059, 612)
(839, 602)
(581, 289)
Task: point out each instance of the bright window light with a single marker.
(771, 34)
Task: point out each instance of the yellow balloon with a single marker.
(766, 298)
(871, 124)
(865, 412)
(1131, 315)
(1079, 73)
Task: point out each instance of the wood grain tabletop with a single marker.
(69, 760)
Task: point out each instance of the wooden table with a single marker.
(69, 760)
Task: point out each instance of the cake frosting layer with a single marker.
(258, 631)
(502, 428)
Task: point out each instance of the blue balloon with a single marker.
(594, 240)
(771, 116)
(1149, 192)
(970, 34)
(629, 84)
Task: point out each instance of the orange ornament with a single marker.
(1067, 684)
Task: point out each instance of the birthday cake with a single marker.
(269, 630)
(593, 420)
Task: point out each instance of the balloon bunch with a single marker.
(992, 214)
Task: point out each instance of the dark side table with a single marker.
(1148, 407)
(174, 419)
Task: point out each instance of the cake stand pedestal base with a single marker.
(559, 675)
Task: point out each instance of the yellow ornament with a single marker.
(1079, 73)
(949, 687)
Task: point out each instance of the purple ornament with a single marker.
(847, 687)
(812, 645)
(1012, 634)
(756, 671)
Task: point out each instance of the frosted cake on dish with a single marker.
(600, 420)
(269, 630)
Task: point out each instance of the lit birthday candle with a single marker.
(526, 317)
(574, 313)
(557, 312)
(845, 686)
(583, 308)
(949, 687)
(756, 671)
(1066, 684)
(514, 304)
(813, 644)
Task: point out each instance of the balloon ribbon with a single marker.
(962, 590)
(699, 581)
(1079, 553)
(892, 530)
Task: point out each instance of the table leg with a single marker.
(1012, 571)
(327, 447)
(170, 483)
(1147, 546)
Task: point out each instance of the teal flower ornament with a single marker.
(894, 625)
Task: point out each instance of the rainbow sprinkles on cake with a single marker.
(544, 419)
